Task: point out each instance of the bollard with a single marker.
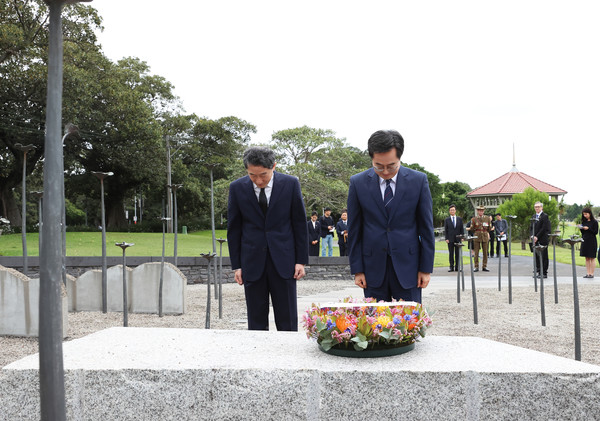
(533, 221)
(499, 263)
(554, 238)
(101, 176)
(538, 251)
(473, 290)
(209, 257)
(221, 241)
(572, 241)
(124, 246)
(510, 219)
(162, 268)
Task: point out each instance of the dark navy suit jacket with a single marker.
(282, 231)
(406, 234)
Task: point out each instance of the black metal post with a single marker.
(212, 223)
(209, 257)
(101, 176)
(51, 373)
(554, 238)
(510, 219)
(40, 196)
(162, 268)
(498, 245)
(538, 250)
(221, 241)
(124, 246)
(460, 270)
(24, 149)
(473, 289)
(533, 220)
(174, 188)
(572, 241)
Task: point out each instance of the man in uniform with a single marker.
(480, 228)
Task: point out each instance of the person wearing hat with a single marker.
(480, 228)
(327, 229)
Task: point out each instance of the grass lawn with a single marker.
(146, 244)
(192, 244)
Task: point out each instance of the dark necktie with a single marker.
(388, 195)
(262, 201)
(454, 222)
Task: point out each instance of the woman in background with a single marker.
(589, 230)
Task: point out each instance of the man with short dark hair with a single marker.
(453, 227)
(267, 239)
(341, 228)
(501, 228)
(327, 230)
(390, 235)
(314, 234)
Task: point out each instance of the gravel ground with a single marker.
(517, 324)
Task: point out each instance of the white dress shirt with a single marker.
(268, 190)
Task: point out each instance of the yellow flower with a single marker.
(381, 320)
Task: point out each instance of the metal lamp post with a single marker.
(101, 176)
(510, 219)
(209, 257)
(535, 268)
(554, 238)
(51, 373)
(572, 241)
(473, 290)
(538, 250)
(24, 149)
(124, 246)
(212, 223)
(221, 241)
(162, 267)
(70, 130)
(174, 188)
(40, 197)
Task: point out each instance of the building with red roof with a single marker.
(496, 192)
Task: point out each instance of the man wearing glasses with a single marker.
(390, 239)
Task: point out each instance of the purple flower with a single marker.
(407, 317)
(396, 320)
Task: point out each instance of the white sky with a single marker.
(460, 80)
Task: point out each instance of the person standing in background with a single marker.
(327, 230)
(314, 234)
(341, 228)
(453, 227)
(589, 230)
(501, 227)
(541, 236)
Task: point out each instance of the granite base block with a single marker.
(142, 373)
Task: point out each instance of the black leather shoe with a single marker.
(545, 275)
(485, 269)
(476, 270)
(451, 270)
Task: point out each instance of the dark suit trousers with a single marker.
(283, 297)
(391, 288)
(313, 250)
(343, 249)
(544, 263)
(454, 253)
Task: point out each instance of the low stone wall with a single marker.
(20, 305)
(141, 373)
(195, 269)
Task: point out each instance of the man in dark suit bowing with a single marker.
(541, 236)
(391, 237)
(453, 226)
(267, 239)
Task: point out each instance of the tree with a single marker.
(440, 209)
(23, 54)
(456, 193)
(521, 205)
(322, 162)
